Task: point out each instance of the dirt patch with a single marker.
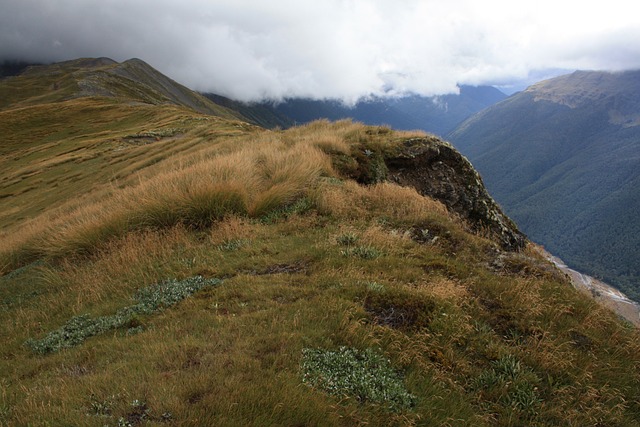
(399, 311)
(285, 268)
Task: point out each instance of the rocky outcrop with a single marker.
(436, 169)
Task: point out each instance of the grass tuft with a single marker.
(363, 252)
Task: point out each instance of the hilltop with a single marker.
(162, 266)
(562, 158)
(132, 80)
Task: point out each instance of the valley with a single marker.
(562, 159)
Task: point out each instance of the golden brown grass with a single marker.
(134, 259)
(350, 200)
(249, 181)
(230, 355)
(252, 174)
(446, 289)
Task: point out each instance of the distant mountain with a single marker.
(261, 114)
(439, 114)
(563, 158)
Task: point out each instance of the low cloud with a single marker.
(347, 49)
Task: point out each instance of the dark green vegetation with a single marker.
(563, 159)
(282, 278)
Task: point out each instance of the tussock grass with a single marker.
(180, 180)
(131, 261)
(251, 330)
(324, 135)
(286, 175)
(349, 200)
(402, 202)
(56, 153)
(250, 182)
(474, 346)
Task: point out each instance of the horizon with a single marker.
(341, 49)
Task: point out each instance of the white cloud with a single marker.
(253, 49)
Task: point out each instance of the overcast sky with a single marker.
(348, 49)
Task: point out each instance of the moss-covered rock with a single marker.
(436, 169)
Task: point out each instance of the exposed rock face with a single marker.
(436, 169)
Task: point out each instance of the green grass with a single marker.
(232, 354)
(322, 278)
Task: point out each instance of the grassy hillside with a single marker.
(251, 277)
(134, 81)
(54, 152)
(562, 158)
(86, 125)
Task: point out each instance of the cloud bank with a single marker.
(348, 49)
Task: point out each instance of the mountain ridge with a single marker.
(437, 114)
(162, 266)
(561, 157)
(133, 80)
